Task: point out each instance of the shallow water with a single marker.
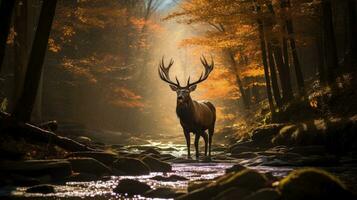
(102, 189)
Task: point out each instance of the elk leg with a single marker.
(210, 135)
(197, 138)
(188, 143)
(205, 138)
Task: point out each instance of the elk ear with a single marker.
(173, 88)
(192, 88)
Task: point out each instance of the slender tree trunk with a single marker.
(352, 30)
(330, 41)
(285, 4)
(6, 8)
(233, 62)
(20, 47)
(25, 104)
(286, 53)
(284, 71)
(284, 74)
(274, 80)
(265, 62)
(320, 58)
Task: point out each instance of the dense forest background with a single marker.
(100, 69)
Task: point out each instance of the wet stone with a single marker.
(43, 189)
(89, 165)
(131, 187)
(151, 151)
(55, 169)
(264, 194)
(310, 183)
(103, 157)
(233, 193)
(156, 165)
(172, 178)
(130, 166)
(235, 168)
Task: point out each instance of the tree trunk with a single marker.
(284, 74)
(274, 80)
(24, 106)
(20, 47)
(265, 63)
(352, 30)
(330, 41)
(285, 4)
(6, 8)
(320, 58)
(284, 71)
(233, 62)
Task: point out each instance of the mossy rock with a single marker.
(264, 194)
(248, 178)
(310, 183)
(194, 185)
(233, 193)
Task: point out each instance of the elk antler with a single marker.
(204, 76)
(165, 71)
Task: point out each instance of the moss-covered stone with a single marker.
(247, 179)
(310, 183)
(233, 193)
(264, 194)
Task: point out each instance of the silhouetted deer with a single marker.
(195, 117)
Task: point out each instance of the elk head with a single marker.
(183, 92)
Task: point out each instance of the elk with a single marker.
(195, 117)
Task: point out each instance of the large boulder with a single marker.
(43, 189)
(89, 165)
(56, 169)
(233, 193)
(103, 157)
(130, 166)
(264, 194)
(312, 183)
(131, 187)
(156, 165)
(249, 180)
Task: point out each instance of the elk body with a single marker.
(195, 117)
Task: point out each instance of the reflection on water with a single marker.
(192, 171)
(103, 188)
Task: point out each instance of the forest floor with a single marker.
(267, 159)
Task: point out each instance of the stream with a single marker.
(102, 189)
(192, 171)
